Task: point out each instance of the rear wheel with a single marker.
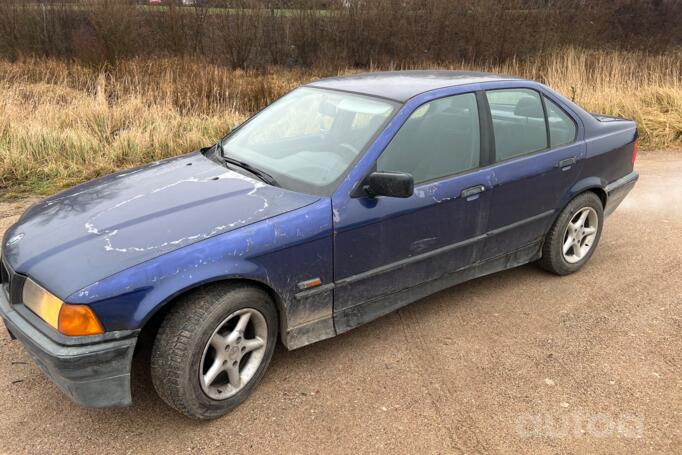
(213, 348)
(574, 236)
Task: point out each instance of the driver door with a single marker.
(390, 251)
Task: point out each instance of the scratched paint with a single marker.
(278, 252)
(108, 235)
(119, 221)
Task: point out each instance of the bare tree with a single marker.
(240, 28)
(115, 25)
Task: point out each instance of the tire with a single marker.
(554, 258)
(185, 352)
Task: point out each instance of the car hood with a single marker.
(92, 231)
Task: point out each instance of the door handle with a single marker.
(472, 193)
(566, 163)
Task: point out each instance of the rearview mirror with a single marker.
(390, 184)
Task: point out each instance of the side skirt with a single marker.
(364, 312)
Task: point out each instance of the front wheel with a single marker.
(571, 241)
(213, 348)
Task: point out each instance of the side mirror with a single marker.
(390, 184)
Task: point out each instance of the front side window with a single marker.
(518, 122)
(309, 138)
(440, 138)
(562, 129)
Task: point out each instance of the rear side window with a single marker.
(518, 122)
(440, 138)
(562, 128)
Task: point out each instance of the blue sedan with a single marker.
(342, 201)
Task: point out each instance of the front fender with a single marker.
(279, 253)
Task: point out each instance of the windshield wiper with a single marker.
(264, 176)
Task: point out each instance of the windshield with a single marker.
(308, 139)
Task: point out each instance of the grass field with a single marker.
(62, 123)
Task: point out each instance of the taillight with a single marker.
(634, 151)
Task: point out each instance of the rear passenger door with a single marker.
(536, 157)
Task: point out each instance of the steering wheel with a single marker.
(347, 151)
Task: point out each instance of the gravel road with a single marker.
(517, 361)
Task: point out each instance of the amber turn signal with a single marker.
(78, 320)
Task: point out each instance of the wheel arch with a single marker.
(591, 185)
(153, 320)
(600, 192)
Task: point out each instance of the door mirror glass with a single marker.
(390, 184)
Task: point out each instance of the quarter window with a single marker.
(440, 138)
(561, 127)
(518, 122)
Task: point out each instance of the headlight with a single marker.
(71, 320)
(42, 303)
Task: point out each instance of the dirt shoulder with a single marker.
(10, 212)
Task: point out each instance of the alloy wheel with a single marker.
(233, 353)
(580, 235)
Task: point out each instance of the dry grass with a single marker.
(62, 123)
(645, 88)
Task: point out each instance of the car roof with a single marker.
(403, 85)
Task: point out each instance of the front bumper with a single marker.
(93, 375)
(617, 190)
